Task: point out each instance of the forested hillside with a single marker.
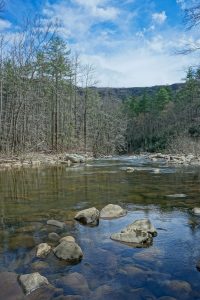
(45, 100)
(167, 119)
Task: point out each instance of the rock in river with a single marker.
(111, 211)
(88, 216)
(68, 251)
(75, 283)
(32, 282)
(75, 158)
(196, 211)
(56, 223)
(53, 236)
(140, 233)
(141, 225)
(43, 250)
(67, 238)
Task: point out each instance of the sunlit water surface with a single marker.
(29, 197)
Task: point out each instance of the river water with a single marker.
(110, 270)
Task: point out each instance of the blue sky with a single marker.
(130, 42)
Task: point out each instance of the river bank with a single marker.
(176, 159)
(42, 159)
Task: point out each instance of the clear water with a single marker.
(29, 197)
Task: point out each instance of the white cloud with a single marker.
(4, 24)
(143, 63)
(135, 58)
(159, 18)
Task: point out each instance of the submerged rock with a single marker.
(111, 211)
(140, 233)
(196, 211)
(40, 266)
(21, 241)
(67, 238)
(43, 250)
(89, 216)
(53, 236)
(68, 251)
(198, 265)
(10, 288)
(178, 288)
(56, 223)
(32, 282)
(75, 283)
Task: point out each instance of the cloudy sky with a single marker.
(130, 42)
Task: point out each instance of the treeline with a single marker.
(167, 120)
(46, 103)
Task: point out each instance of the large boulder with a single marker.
(88, 216)
(75, 158)
(138, 239)
(140, 233)
(68, 251)
(43, 250)
(143, 225)
(111, 211)
(32, 282)
(56, 223)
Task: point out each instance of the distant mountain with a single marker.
(123, 93)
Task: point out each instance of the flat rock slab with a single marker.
(56, 223)
(68, 251)
(112, 211)
(89, 216)
(32, 282)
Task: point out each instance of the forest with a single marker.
(49, 103)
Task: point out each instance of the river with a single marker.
(110, 270)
